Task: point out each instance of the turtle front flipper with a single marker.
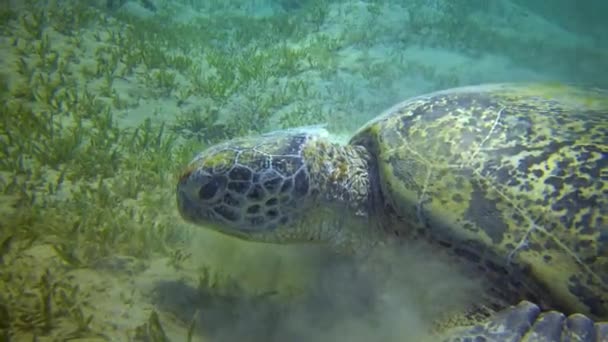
(525, 322)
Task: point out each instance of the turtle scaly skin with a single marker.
(511, 180)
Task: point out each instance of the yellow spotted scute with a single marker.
(513, 177)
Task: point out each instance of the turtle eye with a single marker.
(211, 188)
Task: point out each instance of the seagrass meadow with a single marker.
(104, 102)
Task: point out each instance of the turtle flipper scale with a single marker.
(526, 323)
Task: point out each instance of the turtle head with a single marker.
(286, 186)
(256, 188)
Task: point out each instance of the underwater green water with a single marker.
(105, 102)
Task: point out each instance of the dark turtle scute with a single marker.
(287, 166)
(240, 173)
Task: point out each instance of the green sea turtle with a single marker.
(509, 179)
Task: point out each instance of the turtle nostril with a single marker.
(210, 190)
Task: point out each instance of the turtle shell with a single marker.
(510, 177)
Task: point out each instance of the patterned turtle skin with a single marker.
(510, 179)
